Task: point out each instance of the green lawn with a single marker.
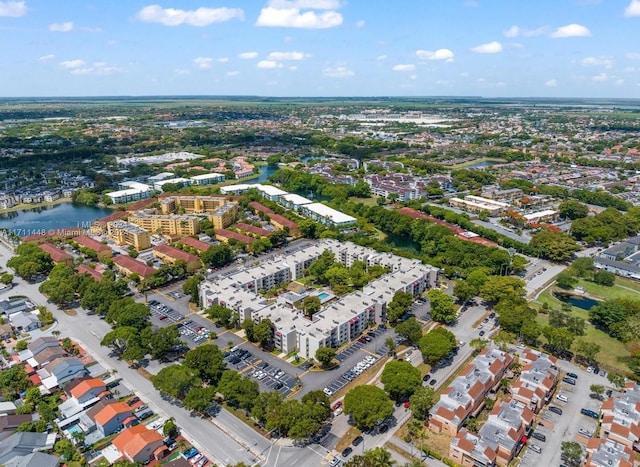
(622, 289)
(365, 201)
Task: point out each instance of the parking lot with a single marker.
(344, 379)
(269, 377)
(571, 424)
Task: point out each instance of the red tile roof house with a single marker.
(225, 235)
(85, 389)
(140, 444)
(607, 453)
(109, 417)
(128, 265)
(621, 417)
(102, 251)
(169, 254)
(252, 229)
(193, 243)
(85, 269)
(57, 255)
(537, 381)
(466, 394)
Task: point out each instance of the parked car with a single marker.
(569, 380)
(586, 433)
(357, 440)
(539, 436)
(426, 378)
(555, 409)
(346, 452)
(572, 375)
(535, 448)
(590, 413)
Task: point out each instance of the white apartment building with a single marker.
(133, 191)
(340, 321)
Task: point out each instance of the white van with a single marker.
(562, 398)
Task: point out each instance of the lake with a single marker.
(480, 164)
(265, 173)
(58, 216)
(584, 303)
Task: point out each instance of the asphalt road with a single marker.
(237, 443)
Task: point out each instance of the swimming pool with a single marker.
(73, 429)
(323, 295)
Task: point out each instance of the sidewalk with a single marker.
(406, 447)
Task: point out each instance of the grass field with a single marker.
(612, 350)
(365, 201)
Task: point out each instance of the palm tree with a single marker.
(505, 385)
(379, 457)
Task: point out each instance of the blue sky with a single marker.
(545, 48)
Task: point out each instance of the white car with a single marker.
(328, 392)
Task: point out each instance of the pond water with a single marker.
(58, 216)
(584, 303)
(482, 164)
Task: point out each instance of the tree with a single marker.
(498, 288)
(126, 342)
(399, 305)
(391, 345)
(478, 344)
(464, 291)
(597, 389)
(442, 309)
(565, 280)
(21, 345)
(616, 379)
(421, 402)
(263, 333)
(310, 305)
(6, 278)
(400, 379)
(587, 351)
(571, 452)
(238, 391)
(554, 245)
(310, 228)
(127, 312)
(367, 406)
(176, 380)
(410, 330)
(200, 399)
(437, 344)
(208, 361)
(576, 325)
(13, 381)
(604, 278)
(170, 429)
(573, 209)
(249, 326)
(223, 315)
(559, 339)
(161, 342)
(325, 356)
(582, 267)
(530, 331)
(190, 287)
(217, 255)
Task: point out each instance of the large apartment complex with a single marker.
(341, 320)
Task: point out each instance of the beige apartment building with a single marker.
(124, 233)
(170, 224)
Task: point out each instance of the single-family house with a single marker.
(109, 417)
(24, 449)
(140, 444)
(25, 322)
(64, 369)
(84, 389)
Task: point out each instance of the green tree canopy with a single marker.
(325, 355)
(400, 379)
(442, 308)
(367, 406)
(410, 330)
(437, 344)
(176, 380)
(208, 361)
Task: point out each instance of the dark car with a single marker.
(569, 380)
(133, 400)
(383, 428)
(357, 440)
(555, 409)
(346, 452)
(432, 382)
(539, 436)
(278, 385)
(481, 333)
(572, 375)
(590, 413)
(426, 378)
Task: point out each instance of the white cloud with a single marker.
(632, 10)
(337, 72)
(571, 30)
(632, 55)
(552, 83)
(440, 54)
(268, 64)
(45, 58)
(597, 61)
(233, 73)
(517, 31)
(630, 69)
(90, 29)
(248, 55)
(381, 58)
(413, 76)
(490, 48)
(293, 68)
(600, 78)
(361, 23)
(72, 63)
(112, 42)
(203, 63)
(287, 56)
(294, 18)
(619, 82)
(223, 60)
(405, 67)
(13, 9)
(182, 71)
(464, 74)
(299, 14)
(61, 27)
(198, 17)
